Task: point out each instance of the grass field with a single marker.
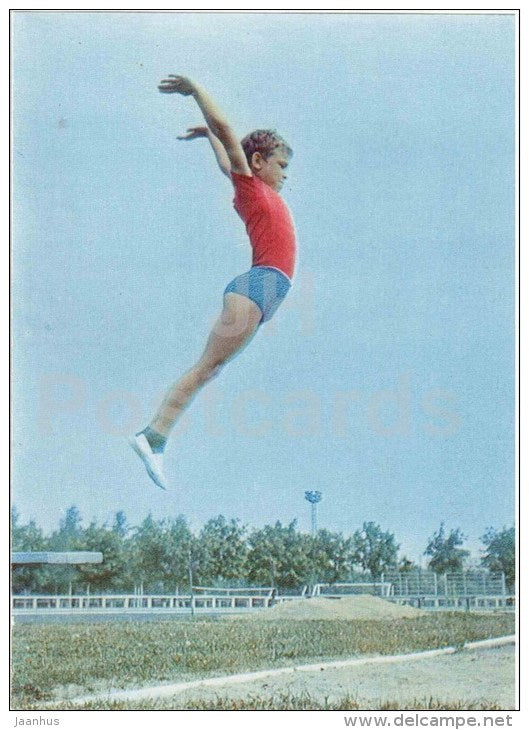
(84, 658)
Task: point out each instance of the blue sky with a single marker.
(386, 381)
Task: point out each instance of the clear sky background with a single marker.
(386, 381)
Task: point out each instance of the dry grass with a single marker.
(94, 657)
(283, 701)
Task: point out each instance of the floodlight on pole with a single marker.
(313, 498)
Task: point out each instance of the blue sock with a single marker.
(155, 439)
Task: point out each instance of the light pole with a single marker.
(313, 498)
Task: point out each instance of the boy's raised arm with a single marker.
(215, 119)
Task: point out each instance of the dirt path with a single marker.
(482, 671)
(478, 675)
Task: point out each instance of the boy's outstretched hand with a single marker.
(177, 85)
(195, 133)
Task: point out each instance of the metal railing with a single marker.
(423, 582)
(458, 603)
(469, 590)
(472, 590)
(466, 583)
(209, 603)
(140, 602)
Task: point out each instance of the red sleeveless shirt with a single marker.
(268, 223)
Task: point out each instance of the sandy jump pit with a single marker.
(332, 609)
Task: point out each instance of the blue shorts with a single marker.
(265, 286)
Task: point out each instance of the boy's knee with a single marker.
(215, 370)
(209, 371)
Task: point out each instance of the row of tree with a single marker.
(165, 555)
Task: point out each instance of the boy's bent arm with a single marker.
(218, 149)
(215, 119)
(220, 153)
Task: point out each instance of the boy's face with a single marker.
(272, 170)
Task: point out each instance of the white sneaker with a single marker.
(153, 461)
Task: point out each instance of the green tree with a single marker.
(279, 556)
(405, 565)
(445, 552)
(26, 538)
(374, 550)
(110, 573)
(121, 528)
(160, 554)
(60, 578)
(332, 555)
(150, 558)
(68, 535)
(224, 550)
(182, 549)
(120, 525)
(500, 552)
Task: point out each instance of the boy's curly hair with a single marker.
(264, 141)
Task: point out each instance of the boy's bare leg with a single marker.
(233, 330)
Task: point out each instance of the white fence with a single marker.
(470, 590)
(239, 602)
(139, 602)
(458, 591)
(458, 603)
(421, 583)
(428, 583)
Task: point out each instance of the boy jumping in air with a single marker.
(256, 167)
